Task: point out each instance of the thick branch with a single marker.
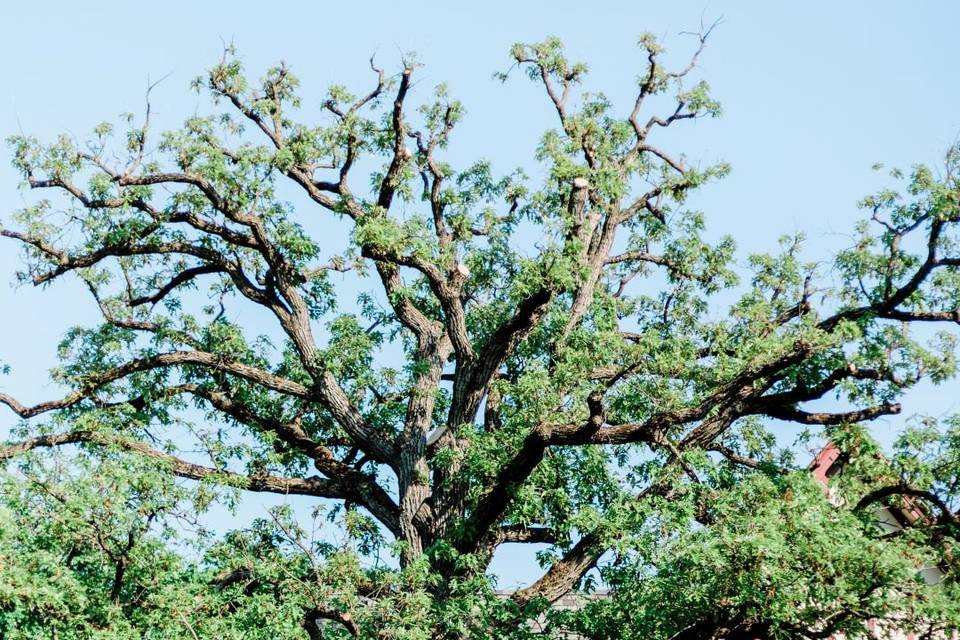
(176, 358)
(847, 417)
(534, 535)
(313, 486)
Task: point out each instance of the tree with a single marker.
(526, 362)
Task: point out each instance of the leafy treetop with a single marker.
(585, 395)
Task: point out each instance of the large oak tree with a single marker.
(314, 302)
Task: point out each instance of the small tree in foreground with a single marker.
(482, 360)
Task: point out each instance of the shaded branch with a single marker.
(878, 495)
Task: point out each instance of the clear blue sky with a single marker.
(813, 94)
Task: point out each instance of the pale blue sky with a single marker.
(813, 94)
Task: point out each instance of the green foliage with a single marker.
(777, 558)
(455, 358)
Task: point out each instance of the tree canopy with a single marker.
(446, 360)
